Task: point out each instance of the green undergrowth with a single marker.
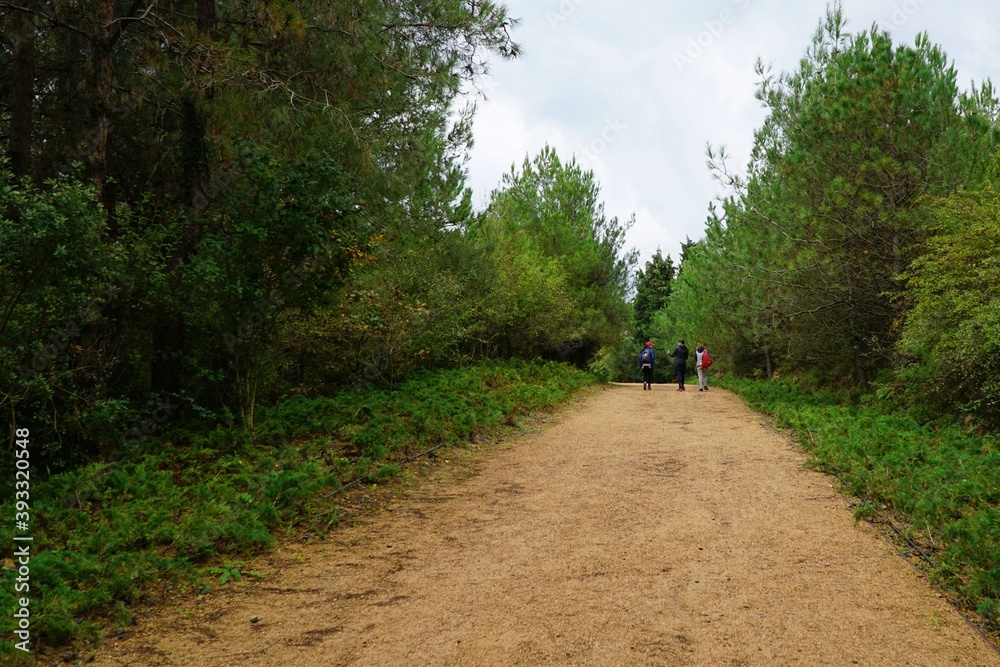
(186, 509)
(938, 483)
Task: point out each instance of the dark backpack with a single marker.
(646, 356)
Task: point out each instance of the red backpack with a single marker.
(706, 359)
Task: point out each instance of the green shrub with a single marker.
(950, 341)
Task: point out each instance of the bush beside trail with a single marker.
(188, 507)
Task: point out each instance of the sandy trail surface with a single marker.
(640, 528)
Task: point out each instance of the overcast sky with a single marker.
(635, 90)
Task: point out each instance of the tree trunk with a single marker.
(168, 342)
(856, 339)
(169, 337)
(897, 255)
(206, 18)
(194, 157)
(859, 365)
(102, 65)
(247, 387)
(22, 94)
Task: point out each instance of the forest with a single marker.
(858, 249)
(222, 205)
(237, 238)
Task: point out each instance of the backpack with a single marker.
(646, 356)
(706, 359)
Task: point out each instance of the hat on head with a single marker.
(649, 344)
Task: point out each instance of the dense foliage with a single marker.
(950, 339)
(560, 259)
(243, 160)
(859, 244)
(235, 203)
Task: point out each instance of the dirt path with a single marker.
(695, 539)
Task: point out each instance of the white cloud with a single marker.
(605, 63)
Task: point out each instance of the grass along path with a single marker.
(654, 528)
(186, 510)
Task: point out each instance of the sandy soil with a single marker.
(642, 528)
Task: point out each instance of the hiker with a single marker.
(646, 359)
(702, 360)
(680, 355)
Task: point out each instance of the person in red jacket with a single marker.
(702, 360)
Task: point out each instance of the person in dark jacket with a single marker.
(646, 359)
(680, 355)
